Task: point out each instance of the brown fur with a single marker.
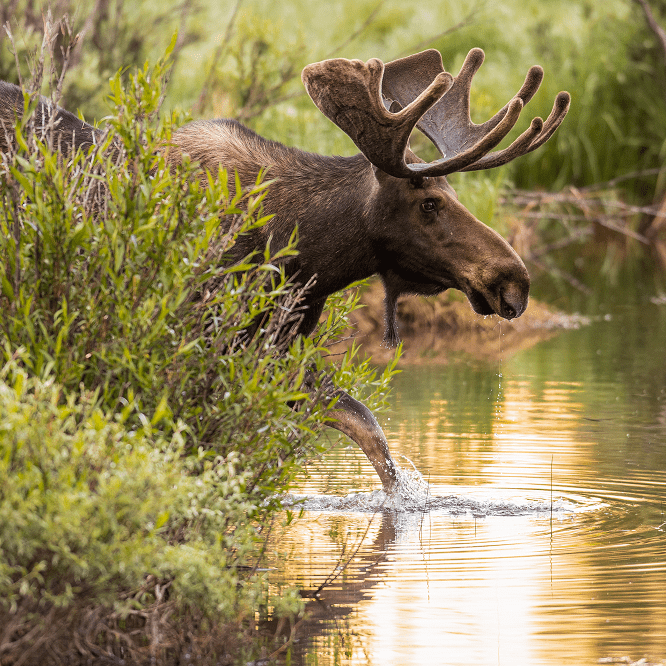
(72, 133)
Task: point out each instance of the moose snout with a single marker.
(513, 299)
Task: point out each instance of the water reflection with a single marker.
(581, 418)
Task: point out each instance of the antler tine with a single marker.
(538, 133)
(348, 92)
(531, 85)
(519, 147)
(464, 145)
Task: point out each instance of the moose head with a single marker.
(426, 241)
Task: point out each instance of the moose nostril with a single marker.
(513, 302)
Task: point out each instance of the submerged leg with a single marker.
(356, 421)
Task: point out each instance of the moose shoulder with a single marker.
(383, 211)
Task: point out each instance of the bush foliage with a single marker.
(151, 401)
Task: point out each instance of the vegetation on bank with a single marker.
(145, 433)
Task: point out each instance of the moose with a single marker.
(383, 211)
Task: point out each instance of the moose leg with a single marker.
(356, 421)
(352, 417)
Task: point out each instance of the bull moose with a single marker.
(383, 211)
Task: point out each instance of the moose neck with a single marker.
(329, 199)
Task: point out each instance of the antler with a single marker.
(348, 93)
(448, 124)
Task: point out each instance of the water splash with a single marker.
(412, 494)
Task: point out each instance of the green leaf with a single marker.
(161, 520)
(162, 411)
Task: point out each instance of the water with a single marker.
(534, 531)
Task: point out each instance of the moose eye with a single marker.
(429, 206)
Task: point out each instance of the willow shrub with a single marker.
(144, 432)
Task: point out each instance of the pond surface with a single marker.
(538, 533)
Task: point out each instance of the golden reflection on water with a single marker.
(463, 608)
(436, 588)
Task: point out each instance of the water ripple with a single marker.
(413, 495)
